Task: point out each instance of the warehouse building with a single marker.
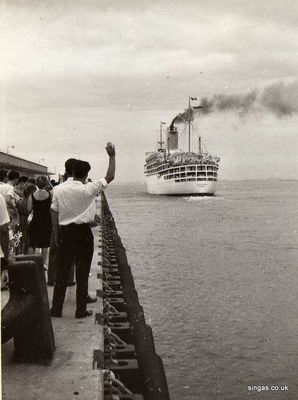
(22, 166)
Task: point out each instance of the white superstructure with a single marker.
(165, 174)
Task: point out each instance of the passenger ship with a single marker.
(171, 171)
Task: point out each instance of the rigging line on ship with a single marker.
(195, 130)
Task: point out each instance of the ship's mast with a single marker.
(190, 114)
(189, 124)
(160, 136)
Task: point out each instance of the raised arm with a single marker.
(112, 162)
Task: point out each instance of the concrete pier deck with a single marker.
(71, 375)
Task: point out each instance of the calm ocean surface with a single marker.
(218, 280)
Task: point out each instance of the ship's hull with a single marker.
(158, 185)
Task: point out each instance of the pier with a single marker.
(108, 356)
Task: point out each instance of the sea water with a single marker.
(218, 280)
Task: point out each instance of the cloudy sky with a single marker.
(76, 74)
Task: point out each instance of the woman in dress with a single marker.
(28, 190)
(40, 227)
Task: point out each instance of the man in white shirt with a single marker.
(53, 248)
(73, 209)
(7, 191)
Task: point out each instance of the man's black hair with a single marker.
(81, 169)
(29, 189)
(3, 175)
(69, 165)
(23, 179)
(12, 175)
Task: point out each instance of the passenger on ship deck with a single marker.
(73, 211)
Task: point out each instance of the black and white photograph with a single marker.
(149, 199)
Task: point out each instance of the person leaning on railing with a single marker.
(73, 210)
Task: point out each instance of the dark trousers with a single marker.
(52, 267)
(75, 244)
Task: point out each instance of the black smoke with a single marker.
(280, 99)
(187, 115)
(241, 103)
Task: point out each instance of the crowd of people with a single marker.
(55, 216)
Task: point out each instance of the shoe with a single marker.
(91, 299)
(51, 283)
(70, 284)
(84, 314)
(55, 314)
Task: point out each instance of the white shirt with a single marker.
(4, 217)
(7, 190)
(74, 201)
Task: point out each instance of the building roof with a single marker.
(8, 161)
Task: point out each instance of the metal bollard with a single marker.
(26, 316)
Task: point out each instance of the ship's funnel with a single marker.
(172, 137)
